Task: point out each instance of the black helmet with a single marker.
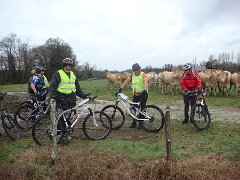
(187, 66)
(136, 66)
(67, 61)
(38, 69)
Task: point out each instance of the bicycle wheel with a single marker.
(10, 127)
(97, 126)
(22, 116)
(42, 132)
(156, 121)
(200, 117)
(116, 115)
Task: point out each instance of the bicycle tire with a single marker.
(157, 119)
(42, 131)
(200, 117)
(99, 131)
(21, 115)
(10, 127)
(116, 115)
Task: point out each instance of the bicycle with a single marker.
(29, 111)
(152, 117)
(8, 123)
(96, 125)
(200, 116)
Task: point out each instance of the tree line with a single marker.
(18, 58)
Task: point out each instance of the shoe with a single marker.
(185, 121)
(68, 138)
(133, 125)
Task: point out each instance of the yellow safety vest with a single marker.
(46, 82)
(137, 83)
(67, 84)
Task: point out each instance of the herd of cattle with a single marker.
(217, 82)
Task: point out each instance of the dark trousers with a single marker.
(142, 99)
(188, 100)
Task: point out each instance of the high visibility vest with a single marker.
(67, 84)
(45, 80)
(137, 83)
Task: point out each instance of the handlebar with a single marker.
(197, 91)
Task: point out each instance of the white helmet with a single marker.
(187, 66)
(67, 61)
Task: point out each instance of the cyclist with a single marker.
(139, 82)
(44, 77)
(30, 90)
(64, 87)
(37, 84)
(189, 81)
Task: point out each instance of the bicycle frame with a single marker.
(80, 104)
(38, 105)
(123, 99)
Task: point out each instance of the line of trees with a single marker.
(18, 58)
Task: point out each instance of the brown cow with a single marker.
(125, 75)
(224, 78)
(211, 81)
(235, 80)
(152, 79)
(114, 79)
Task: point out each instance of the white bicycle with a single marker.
(151, 118)
(96, 124)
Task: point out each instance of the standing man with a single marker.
(64, 86)
(37, 84)
(189, 81)
(139, 82)
(44, 77)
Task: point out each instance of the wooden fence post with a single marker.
(168, 134)
(54, 128)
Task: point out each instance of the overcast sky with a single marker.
(114, 34)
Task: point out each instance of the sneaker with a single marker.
(185, 121)
(68, 138)
(133, 125)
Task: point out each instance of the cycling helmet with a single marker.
(136, 66)
(67, 61)
(38, 69)
(187, 66)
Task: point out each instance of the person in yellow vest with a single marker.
(44, 78)
(64, 87)
(139, 81)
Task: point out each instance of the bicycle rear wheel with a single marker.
(42, 131)
(156, 121)
(200, 117)
(116, 115)
(22, 114)
(10, 128)
(97, 126)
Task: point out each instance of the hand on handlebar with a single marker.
(119, 91)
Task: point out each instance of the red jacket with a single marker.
(190, 81)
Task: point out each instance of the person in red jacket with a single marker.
(189, 81)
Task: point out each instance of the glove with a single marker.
(144, 93)
(85, 96)
(118, 91)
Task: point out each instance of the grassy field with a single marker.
(131, 153)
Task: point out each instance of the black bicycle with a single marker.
(200, 115)
(30, 110)
(8, 123)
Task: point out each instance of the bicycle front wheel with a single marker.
(22, 114)
(116, 115)
(10, 128)
(42, 131)
(200, 117)
(97, 125)
(156, 120)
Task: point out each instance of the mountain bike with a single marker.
(151, 118)
(200, 115)
(96, 124)
(8, 123)
(29, 111)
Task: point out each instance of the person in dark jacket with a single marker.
(189, 81)
(64, 86)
